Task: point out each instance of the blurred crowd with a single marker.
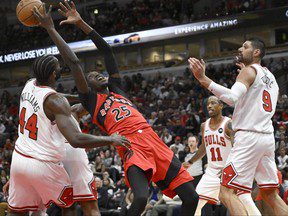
(110, 18)
(174, 106)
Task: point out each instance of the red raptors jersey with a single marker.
(114, 113)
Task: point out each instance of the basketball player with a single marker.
(150, 158)
(45, 121)
(76, 165)
(254, 95)
(217, 138)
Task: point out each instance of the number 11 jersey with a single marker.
(218, 145)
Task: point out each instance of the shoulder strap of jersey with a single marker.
(206, 124)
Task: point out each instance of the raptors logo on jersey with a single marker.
(115, 113)
(218, 145)
(38, 136)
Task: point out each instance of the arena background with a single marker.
(152, 41)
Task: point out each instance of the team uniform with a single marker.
(218, 146)
(76, 164)
(114, 113)
(37, 174)
(253, 152)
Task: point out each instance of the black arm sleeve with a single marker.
(89, 101)
(106, 51)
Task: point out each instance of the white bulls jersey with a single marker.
(217, 144)
(38, 138)
(254, 110)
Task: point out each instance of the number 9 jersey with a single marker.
(254, 110)
(39, 138)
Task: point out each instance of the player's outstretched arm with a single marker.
(67, 54)
(73, 17)
(229, 131)
(57, 108)
(71, 98)
(230, 96)
(201, 151)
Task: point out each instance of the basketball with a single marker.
(25, 14)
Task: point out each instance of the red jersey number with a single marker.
(267, 104)
(213, 157)
(121, 113)
(31, 124)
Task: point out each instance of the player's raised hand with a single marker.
(197, 67)
(240, 65)
(119, 140)
(69, 11)
(45, 19)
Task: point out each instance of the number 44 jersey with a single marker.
(218, 145)
(39, 138)
(254, 110)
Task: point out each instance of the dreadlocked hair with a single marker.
(43, 68)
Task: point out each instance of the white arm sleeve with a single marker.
(229, 96)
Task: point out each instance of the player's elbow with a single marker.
(229, 99)
(75, 142)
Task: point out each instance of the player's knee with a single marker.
(224, 194)
(192, 199)
(269, 194)
(90, 208)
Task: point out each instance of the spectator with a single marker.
(282, 159)
(102, 194)
(166, 205)
(108, 159)
(177, 144)
(166, 137)
(195, 169)
(99, 166)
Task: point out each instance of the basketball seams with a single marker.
(30, 15)
(18, 13)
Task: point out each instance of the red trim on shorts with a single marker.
(238, 187)
(66, 200)
(23, 209)
(27, 156)
(209, 199)
(267, 186)
(84, 199)
(48, 204)
(84, 195)
(240, 192)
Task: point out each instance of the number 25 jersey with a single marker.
(39, 138)
(114, 113)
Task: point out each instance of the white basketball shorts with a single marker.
(252, 156)
(76, 164)
(34, 183)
